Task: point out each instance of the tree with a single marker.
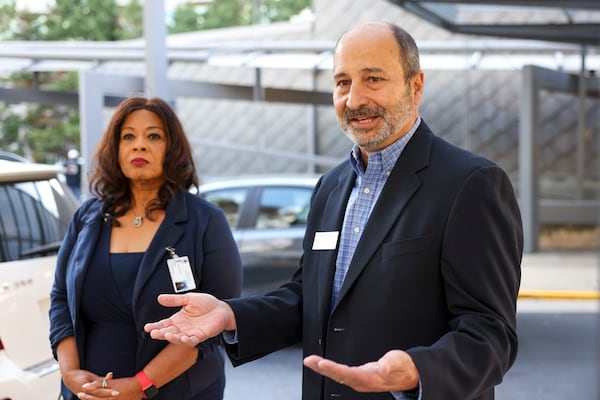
(131, 21)
(283, 10)
(185, 19)
(7, 17)
(223, 13)
(46, 132)
(11, 125)
(83, 20)
(52, 131)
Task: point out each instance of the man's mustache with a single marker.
(363, 112)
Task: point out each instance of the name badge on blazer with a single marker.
(325, 240)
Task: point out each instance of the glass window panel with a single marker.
(230, 201)
(283, 207)
(29, 218)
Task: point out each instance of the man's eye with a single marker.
(374, 79)
(343, 83)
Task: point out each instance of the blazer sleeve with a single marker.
(61, 324)
(480, 266)
(221, 266)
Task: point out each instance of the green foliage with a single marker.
(185, 19)
(29, 26)
(19, 79)
(51, 131)
(224, 13)
(9, 139)
(282, 10)
(8, 14)
(131, 21)
(64, 81)
(83, 20)
(46, 132)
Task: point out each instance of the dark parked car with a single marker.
(268, 219)
(5, 155)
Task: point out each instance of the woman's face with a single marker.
(142, 148)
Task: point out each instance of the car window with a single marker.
(230, 201)
(30, 219)
(283, 207)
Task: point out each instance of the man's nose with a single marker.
(356, 97)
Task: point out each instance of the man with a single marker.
(408, 283)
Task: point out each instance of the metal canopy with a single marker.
(568, 21)
(560, 21)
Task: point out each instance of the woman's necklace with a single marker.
(137, 221)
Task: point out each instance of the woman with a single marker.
(142, 234)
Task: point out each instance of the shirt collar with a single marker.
(388, 156)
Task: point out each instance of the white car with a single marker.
(35, 209)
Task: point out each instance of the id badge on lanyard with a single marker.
(180, 271)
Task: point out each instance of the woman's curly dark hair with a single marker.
(107, 180)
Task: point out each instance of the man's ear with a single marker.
(417, 85)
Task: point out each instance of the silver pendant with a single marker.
(137, 222)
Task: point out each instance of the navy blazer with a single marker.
(436, 273)
(195, 228)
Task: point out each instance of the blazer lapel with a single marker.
(334, 210)
(167, 235)
(402, 183)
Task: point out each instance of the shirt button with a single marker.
(367, 190)
(356, 229)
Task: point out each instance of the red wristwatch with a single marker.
(147, 386)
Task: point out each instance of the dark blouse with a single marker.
(106, 310)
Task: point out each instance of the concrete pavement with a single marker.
(561, 275)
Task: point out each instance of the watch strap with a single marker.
(147, 385)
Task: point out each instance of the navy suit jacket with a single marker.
(195, 228)
(436, 273)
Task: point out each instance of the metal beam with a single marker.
(571, 211)
(155, 33)
(246, 92)
(177, 88)
(38, 96)
(536, 79)
(588, 34)
(580, 4)
(11, 95)
(528, 161)
(579, 33)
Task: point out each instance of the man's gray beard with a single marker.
(390, 128)
(369, 142)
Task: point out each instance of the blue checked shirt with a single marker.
(367, 188)
(368, 185)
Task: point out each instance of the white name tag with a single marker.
(325, 240)
(181, 274)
